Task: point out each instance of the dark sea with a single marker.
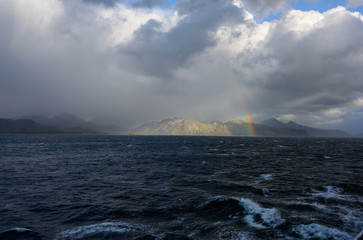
(177, 187)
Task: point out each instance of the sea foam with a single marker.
(109, 230)
(251, 212)
(316, 231)
(260, 217)
(267, 176)
(330, 193)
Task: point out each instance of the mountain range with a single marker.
(70, 123)
(270, 128)
(62, 123)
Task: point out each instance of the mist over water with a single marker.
(173, 187)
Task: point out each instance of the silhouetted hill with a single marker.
(240, 128)
(24, 126)
(313, 132)
(67, 122)
(273, 122)
(64, 123)
(263, 130)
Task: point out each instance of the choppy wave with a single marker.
(260, 217)
(267, 176)
(19, 233)
(242, 236)
(251, 212)
(102, 230)
(330, 194)
(316, 231)
(114, 230)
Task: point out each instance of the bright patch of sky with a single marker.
(318, 5)
(270, 17)
(324, 5)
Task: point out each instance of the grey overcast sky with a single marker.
(131, 62)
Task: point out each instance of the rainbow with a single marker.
(250, 127)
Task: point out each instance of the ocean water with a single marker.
(174, 187)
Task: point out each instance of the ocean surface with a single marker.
(178, 187)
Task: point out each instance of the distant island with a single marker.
(67, 123)
(268, 128)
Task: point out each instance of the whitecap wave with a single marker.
(260, 217)
(267, 176)
(242, 236)
(108, 230)
(330, 193)
(19, 233)
(351, 219)
(316, 231)
(19, 229)
(247, 210)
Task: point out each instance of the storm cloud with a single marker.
(158, 53)
(133, 62)
(149, 3)
(108, 3)
(261, 8)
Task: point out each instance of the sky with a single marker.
(128, 62)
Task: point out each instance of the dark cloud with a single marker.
(133, 3)
(107, 3)
(149, 3)
(190, 6)
(159, 53)
(262, 8)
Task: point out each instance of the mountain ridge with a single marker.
(70, 123)
(314, 132)
(65, 123)
(270, 128)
